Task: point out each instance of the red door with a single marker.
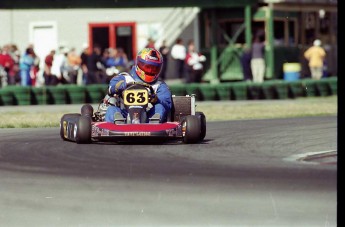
(114, 35)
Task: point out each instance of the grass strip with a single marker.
(214, 111)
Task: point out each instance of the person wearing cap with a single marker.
(315, 56)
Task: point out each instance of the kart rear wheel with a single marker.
(66, 117)
(192, 129)
(87, 110)
(83, 134)
(202, 121)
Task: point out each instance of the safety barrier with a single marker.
(272, 89)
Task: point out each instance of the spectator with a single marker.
(116, 63)
(164, 49)
(150, 43)
(257, 62)
(315, 56)
(6, 65)
(121, 60)
(73, 65)
(26, 63)
(58, 68)
(14, 72)
(245, 62)
(65, 79)
(194, 64)
(178, 53)
(94, 67)
(13, 76)
(83, 56)
(49, 78)
(35, 68)
(15, 53)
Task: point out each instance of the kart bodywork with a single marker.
(184, 122)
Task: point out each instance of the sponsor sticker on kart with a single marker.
(137, 133)
(104, 132)
(99, 132)
(171, 132)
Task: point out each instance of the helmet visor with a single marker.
(150, 69)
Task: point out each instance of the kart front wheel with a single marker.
(63, 123)
(87, 110)
(192, 128)
(83, 130)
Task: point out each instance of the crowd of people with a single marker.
(95, 66)
(187, 61)
(62, 66)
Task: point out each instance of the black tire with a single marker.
(193, 128)
(83, 134)
(87, 110)
(67, 117)
(202, 120)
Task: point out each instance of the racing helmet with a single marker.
(149, 64)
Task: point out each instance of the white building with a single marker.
(128, 28)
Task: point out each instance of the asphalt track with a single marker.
(245, 173)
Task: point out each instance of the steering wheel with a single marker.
(152, 92)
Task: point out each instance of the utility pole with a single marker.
(214, 52)
(270, 39)
(248, 23)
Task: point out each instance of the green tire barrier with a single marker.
(281, 90)
(21, 94)
(178, 89)
(269, 90)
(6, 97)
(193, 88)
(333, 84)
(255, 91)
(323, 88)
(310, 87)
(39, 96)
(56, 95)
(239, 91)
(95, 93)
(296, 89)
(223, 91)
(75, 94)
(208, 92)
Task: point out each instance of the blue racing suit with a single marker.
(119, 82)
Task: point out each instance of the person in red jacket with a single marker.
(49, 78)
(6, 65)
(194, 64)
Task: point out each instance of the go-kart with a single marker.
(183, 122)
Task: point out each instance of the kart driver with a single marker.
(147, 68)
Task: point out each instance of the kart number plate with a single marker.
(136, 97)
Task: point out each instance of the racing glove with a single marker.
(153, 99)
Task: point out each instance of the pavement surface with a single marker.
(243, 174)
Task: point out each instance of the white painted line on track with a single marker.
(312, 158)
